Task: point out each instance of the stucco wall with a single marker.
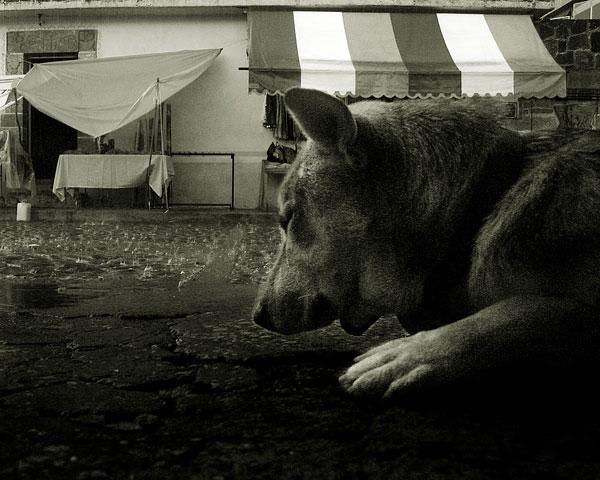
(214, 114)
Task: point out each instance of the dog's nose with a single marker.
(262, 317)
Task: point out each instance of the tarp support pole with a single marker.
(17, 118)
(157, 129)
(162, 137)
(151, 146)
(232, 180)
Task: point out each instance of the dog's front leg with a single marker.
(520, 329)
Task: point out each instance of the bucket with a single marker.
(23, 212)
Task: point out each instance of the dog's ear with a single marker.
(323, 118)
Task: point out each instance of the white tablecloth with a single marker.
(111, 171)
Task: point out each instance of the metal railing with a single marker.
(213, 154)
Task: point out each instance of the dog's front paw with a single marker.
(401, 366)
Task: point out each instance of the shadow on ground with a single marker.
(210, 395)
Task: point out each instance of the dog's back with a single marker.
(543, 237)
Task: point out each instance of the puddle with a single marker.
(35, 295)
(88, 268)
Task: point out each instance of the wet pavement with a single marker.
(127, 352)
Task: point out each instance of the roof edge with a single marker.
(539, 6)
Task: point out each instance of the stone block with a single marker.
(14, 64)
(584, 60)
(576, 115)
(25, 42)
(578, 42)
(86, 55)
(60, 41)
(595, 42)
(546, 30)
(15, 42)
(566, 59)
(87, 40)
(578, 26)
(561, 46)
(562, 29)
(50, 41)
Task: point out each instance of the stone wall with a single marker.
(575, 45)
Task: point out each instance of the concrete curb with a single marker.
(175, 214)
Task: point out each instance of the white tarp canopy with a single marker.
(101, 95)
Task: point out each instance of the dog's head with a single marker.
(340, 255)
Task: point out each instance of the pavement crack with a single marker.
(33, 344)
(4, 393)
(156, 386)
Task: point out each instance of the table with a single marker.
(268, 198)
(111, 171)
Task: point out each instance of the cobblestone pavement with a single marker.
(127, 352)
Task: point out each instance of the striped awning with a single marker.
(400, 54)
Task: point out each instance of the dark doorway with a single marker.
(47, 137)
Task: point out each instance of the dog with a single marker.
(484, 242)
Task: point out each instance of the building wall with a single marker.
(214, 114)
(575, 45)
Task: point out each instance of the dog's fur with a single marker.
(485, 241)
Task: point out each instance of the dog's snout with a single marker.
(293, 313)
(262, 317)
